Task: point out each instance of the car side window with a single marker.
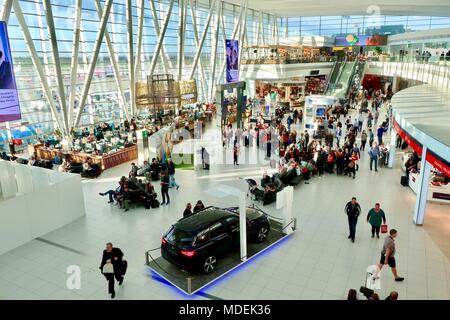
(202, 237)
(216, 230)
(233, 223)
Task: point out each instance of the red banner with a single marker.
(439, 163)
(436, 161)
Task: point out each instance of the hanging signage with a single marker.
(9, 99)
(232, 67)
(360, 40)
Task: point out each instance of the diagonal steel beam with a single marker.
(6, 10)
(37, 63)
(57, 63)
(181, 26)
(197, 42)
(98, 42)
(214, 54)
(202, 40)
(137, 61)
(161, 38)
(74, 62)
(112, 58)
(157, 32)
(129, 19)
(243, 32)
(261, 21)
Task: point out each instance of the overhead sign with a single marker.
(9, 99)
(232, 68)
(360, 40)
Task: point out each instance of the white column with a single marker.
(392, 149)
(422, 191)
(242, 197)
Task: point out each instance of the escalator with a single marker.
(331, 84)
(343, 77)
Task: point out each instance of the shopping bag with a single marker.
(384, 228)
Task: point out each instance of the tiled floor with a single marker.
(316, 262)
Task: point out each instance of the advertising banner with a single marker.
(9, 99)
(232, 68)
(360, 40)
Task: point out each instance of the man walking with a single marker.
(374, 153)
(374, 217)
(387, 255)
(353, 210)
(112, 267)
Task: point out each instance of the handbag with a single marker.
(384, 228)
(108, 268)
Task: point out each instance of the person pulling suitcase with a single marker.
(112, 266)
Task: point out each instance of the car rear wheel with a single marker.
(210, 264)
(263, 232)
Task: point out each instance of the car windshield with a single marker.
(179, 237)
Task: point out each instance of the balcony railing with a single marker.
(270, 60)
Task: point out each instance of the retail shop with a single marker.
(425, 131)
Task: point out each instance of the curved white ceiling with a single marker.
(297, 8)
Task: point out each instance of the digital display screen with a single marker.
(9, 99)
(360, 40)
(232, 68)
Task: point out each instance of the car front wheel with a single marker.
(210, 264)
(263, 232)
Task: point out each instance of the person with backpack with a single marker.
(112, 266)
(374, 154)
(375, 217)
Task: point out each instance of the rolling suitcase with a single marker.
(404, 181)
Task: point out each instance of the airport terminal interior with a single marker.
(216, 150)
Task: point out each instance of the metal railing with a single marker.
(276, 60)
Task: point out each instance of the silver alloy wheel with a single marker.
(210, 264)
(262, 234)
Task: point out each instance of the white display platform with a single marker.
(36, 201)
(440, 194)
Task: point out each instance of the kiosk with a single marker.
(316, 107)
(241, 103)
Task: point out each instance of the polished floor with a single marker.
(316, 262)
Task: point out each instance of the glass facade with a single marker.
(341, 25)
(104, 100)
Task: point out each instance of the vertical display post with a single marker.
(142, 145)
(422, 191)
(392, 149)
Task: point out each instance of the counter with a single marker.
(105, 162)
